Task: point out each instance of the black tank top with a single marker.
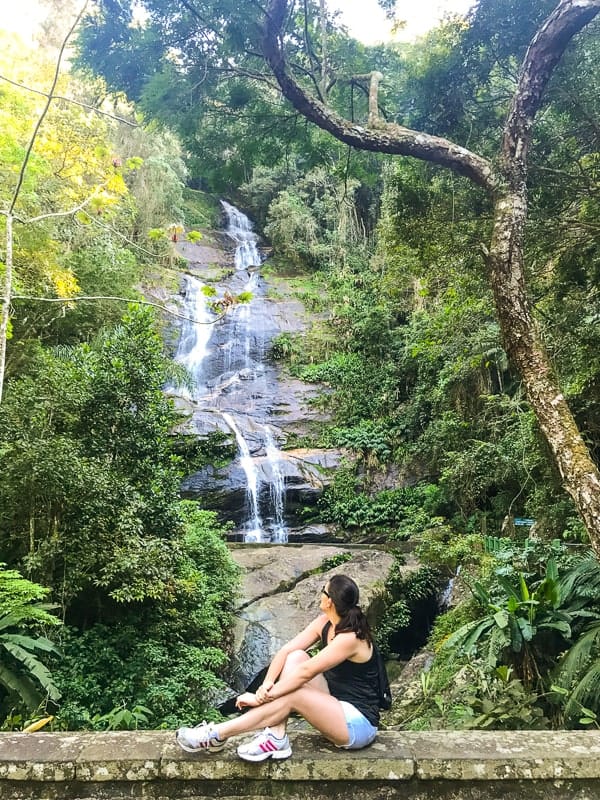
(355, 683)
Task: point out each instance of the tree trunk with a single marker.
(508, 188)
(6, 297)
(521, 340)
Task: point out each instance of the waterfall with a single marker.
(240, 230)
(254, 527)
(238, 347)
(234, 384)
(276, 487)
(446, 594)
(196, 332)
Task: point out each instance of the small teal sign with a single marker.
(523, 521)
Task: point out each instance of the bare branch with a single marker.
(69, 213)
(71, 100)
(85, 298)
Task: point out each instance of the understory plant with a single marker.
(25, 679)
(523, 650)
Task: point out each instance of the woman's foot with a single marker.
(202, 737)
(265, 745)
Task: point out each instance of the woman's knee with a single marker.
(295, 658)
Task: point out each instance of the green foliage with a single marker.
(495, 700)
(398, 512)
(523, 627)
(527, 637)
(332, 562)
(200, 209)
(286, 347)
(86, 442)
(167, 655)
(447, 549)
(123, 719)
(368, 439)
(24, 677)
(412, 599)
(577, 676)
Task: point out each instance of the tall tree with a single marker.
(292, 46)
(66, 160)
(505, 182)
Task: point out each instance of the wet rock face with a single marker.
(304, 472)
(240, 391)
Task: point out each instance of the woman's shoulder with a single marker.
(321, 621)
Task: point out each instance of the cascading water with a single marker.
(196, 332)
(254, 531)
(240, 230)
(276, 487)
(232, 378)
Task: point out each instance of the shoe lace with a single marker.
(206, 733)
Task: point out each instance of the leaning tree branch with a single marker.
(384, 137)
(545, 51)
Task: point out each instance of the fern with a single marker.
(586, 692)
(582, 580)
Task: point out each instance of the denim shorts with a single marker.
(360, 730)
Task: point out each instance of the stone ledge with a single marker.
(399, 764)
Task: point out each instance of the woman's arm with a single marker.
(303, 641)
(344, 646)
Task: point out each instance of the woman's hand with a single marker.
(262, 693)
(247, 700)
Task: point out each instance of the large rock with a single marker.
(281, 592)
(304, 472)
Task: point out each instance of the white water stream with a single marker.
(226, 362)
(196, 332)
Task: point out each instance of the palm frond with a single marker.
(20, 686)
(32, 644)
(34, 667)
(582, 580)
(586, 693)
(465, 638)
(579, 656)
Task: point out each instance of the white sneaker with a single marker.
(265, 745)
(202, 737)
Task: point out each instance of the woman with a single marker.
(335, 690)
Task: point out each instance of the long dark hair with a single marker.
(343, 592)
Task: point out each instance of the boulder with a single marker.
(304, 472)
(281, 592)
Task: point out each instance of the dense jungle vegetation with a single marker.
(103, 564)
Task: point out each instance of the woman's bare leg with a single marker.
(323, 711)
(293, 660)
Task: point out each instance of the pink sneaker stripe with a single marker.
(268, 746)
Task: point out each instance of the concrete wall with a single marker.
(440, 765)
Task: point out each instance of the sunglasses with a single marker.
(325, 592)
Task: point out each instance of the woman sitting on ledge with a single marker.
(336, 691)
